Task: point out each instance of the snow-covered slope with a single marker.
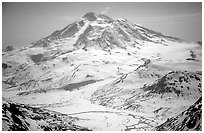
(17, 117)
(110, 32)
(147, 90)
(189, 120)
(111, 74)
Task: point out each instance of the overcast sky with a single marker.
(23, 23)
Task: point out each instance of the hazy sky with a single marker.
(23, 23)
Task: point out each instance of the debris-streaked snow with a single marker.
(108, 75)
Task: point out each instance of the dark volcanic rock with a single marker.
(90, 16)
(19, 117)
(189, 120)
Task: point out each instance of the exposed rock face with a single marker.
(19, 117)
(90, 16)
(37, 58)
(103, 74)
(106, 18)
(179, 83)
(189, 120)
(122, 30)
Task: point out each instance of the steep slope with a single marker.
(138, 32)
(109, 40)
(158, 94)
(185, 84)
(66, 32)
(17, 117)
(111, 74)
(105, 18)
(127, 31)
(83, 41)
(91, 16)
(189, 120)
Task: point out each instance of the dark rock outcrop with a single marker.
(19, 117)
(189, 120)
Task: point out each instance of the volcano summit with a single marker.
(103, 74)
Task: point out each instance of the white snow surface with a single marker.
(78, 82)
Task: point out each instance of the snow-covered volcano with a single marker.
(104, 32)
(106, 74)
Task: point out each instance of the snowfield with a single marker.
(110, 75)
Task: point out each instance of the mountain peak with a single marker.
(91, 16)
(105, 17)
(124, 30)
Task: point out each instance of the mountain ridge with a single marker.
(122, 26)
(106, 74)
